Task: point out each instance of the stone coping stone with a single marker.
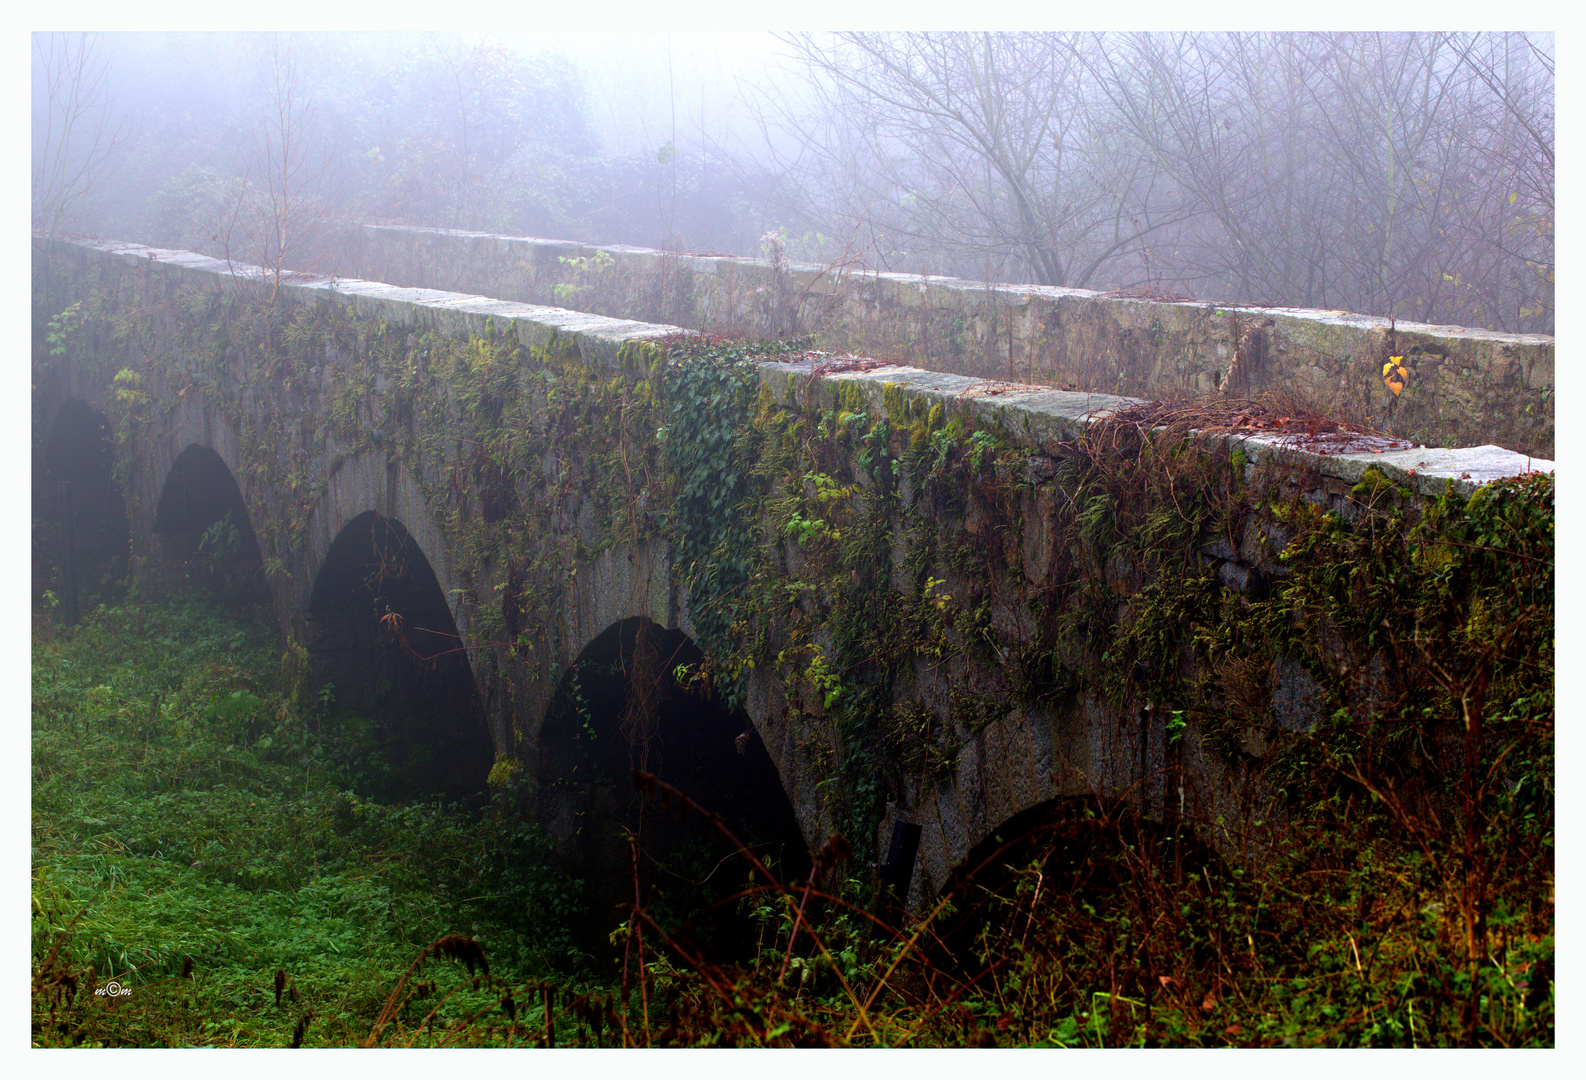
(1426, 470)
(438, 301)
(1009, 290)
(1036, 416)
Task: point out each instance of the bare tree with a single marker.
(976, 145)
(287, 186)
(1333, 170)
(1502, 270)
(77, 136)
(1396, 173)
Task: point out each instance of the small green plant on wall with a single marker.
(62, 327)
(586, 271)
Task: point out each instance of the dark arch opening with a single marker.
(202, 530)
(619, 709)
(382, 643)
(1082, 853)
(80, 450)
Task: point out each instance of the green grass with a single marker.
(189, 817)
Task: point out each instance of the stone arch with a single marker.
(211, 474)
(632, 580)
(635, 580)
(202, 527)
(356, 484)
(1035, 756)
(1074, 840)
(79, 449)
(383, 645)
(621, 707)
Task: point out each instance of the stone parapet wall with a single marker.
(1466, 387)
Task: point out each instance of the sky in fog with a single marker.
(645, 85)
(640, 83)
(680, 66)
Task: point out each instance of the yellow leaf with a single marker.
(1394, 374)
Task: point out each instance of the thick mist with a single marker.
(1403, 174)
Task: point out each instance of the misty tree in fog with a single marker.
(78, 134)
(470, 134)
(454, 132)
(1501, 221)
(1330, 170)
(286, 181)
(1404, 174)
(970, 153)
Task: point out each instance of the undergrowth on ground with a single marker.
(195, 832)
(205, 872)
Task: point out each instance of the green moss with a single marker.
(1372, 483)
(850, 396)
(894, 401)
(502, 772)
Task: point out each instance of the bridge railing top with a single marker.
(1040, 416)
(1032, 415)
(1008, 291)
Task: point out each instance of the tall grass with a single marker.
(1089, 928)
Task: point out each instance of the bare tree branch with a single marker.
(79, 138)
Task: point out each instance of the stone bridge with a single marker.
(816, 593)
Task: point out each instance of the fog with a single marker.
(642, 86)
(1408, 174)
